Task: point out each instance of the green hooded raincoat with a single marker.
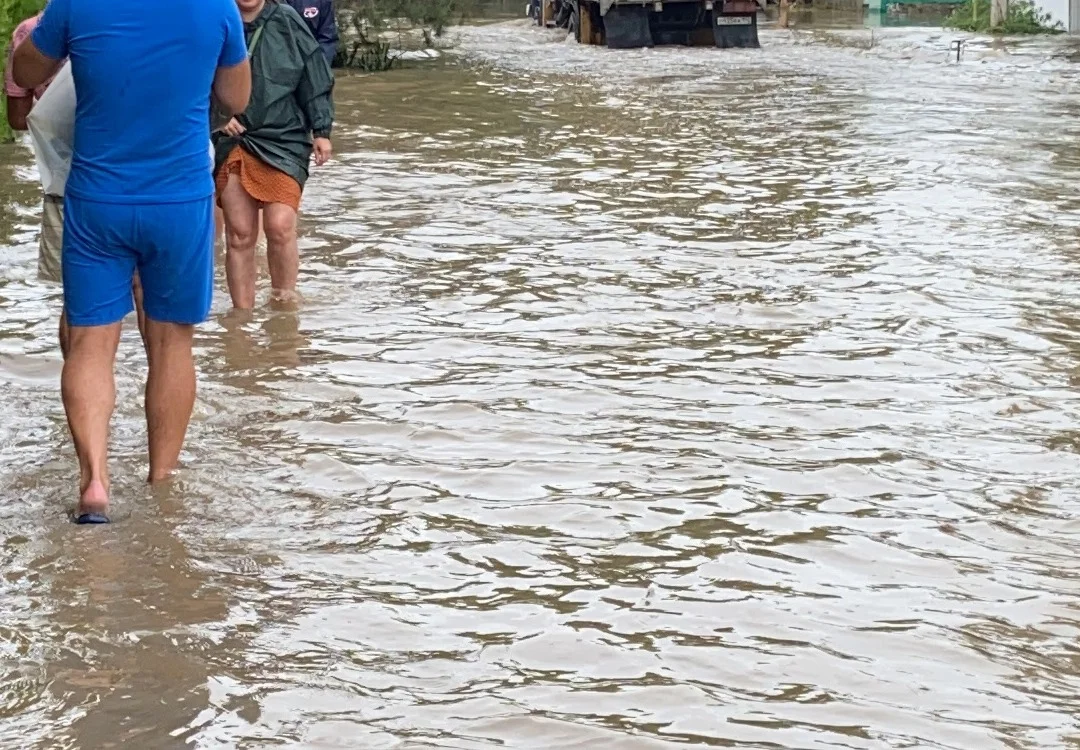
(291, 95)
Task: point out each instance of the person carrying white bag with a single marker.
(51, 123)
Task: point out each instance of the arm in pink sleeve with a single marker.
(22, 31)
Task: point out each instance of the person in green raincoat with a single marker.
(261, 157)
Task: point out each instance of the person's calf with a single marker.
(64, 335)
(240, 274)
(282, 253)
(219, 224)
(241, 216)
(170, 394)
(240, 267)
(88, 390)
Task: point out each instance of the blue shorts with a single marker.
(171, 245)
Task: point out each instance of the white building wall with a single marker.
(1058, 10)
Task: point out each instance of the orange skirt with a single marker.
(259, 180)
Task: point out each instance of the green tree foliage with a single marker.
(365, 25)
(12, 13)
(1023, 18)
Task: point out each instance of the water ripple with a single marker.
(639, 400)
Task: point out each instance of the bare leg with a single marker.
(260, 241)
(170, 393)
(282, 253)
(89, 392)
(65, 334)
(219, 224)
(241, 233)
(140, 316)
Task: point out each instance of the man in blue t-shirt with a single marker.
(139, 197)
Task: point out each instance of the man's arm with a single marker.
(232, 81)
(232, 87)
(18, 107)
(19, 100)
(38, 58)
(30, 67)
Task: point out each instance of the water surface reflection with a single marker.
(645, 400)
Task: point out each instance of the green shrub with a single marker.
(1023, 18)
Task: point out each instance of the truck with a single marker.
(626, 24)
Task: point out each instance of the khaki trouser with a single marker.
(52, 239)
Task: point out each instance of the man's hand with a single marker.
(233, 128)
(323, 151)
(18, 108)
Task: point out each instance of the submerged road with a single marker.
(661, 399)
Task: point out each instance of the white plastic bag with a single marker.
(52, 131)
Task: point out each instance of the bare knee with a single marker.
(95, 342)
(241, 225)
(240, 216)
(241, 236)
(280, 227)
(164, 338)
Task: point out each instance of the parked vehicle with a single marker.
(622, 24)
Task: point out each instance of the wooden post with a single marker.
(999, 11)
(584, 20)
(785, 12)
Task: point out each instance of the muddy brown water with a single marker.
(640, 400)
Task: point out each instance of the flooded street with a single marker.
(655, 399)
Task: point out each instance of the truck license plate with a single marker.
(733, 20)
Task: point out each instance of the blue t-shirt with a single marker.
(143, 72)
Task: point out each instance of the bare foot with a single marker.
(284, 300)
(161, 477)
(93, 505)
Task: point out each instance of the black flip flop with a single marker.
(91, 518)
